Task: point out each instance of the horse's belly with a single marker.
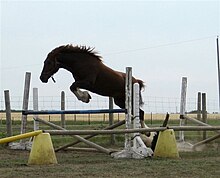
(109, 89)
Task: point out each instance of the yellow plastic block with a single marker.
(42, 151)
(166, 145)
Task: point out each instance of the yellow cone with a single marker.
(166, 145)
(42, 152)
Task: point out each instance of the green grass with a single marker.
(91, 164)
(84, 164)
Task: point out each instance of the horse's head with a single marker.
(51, 66)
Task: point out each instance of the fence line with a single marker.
(152, 104)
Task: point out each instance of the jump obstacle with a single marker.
(134, 148)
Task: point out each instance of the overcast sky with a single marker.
(161, 40)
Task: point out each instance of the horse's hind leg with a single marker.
(121, 104)
(143, 125)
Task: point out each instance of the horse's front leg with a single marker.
(83, 96)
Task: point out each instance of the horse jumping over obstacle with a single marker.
(89, 73)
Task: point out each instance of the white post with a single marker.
(25, 101)
(182, 145)
(138, 145)
(136, 108)
(8, 113)
(134, 146)
(183, 107)
(128, 105)
(22, 145)
(35, 107)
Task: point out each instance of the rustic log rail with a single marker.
(140, 130)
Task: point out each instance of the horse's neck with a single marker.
(67, 62)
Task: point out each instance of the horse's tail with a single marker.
(142, 86)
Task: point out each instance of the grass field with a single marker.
(200, 164)
(203, 164)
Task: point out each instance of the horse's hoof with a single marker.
(86, 97)
(86, 100)
(147, 134)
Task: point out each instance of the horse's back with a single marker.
(109, 82)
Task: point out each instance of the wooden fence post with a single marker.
(8, 113)
(199, 106)
(128, 106)
(25, 101)
(35, 107)
(111, 120)
(63, 124)
(204, 113)
(183, 107)
(199, 109)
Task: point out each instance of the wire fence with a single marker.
(153, 104)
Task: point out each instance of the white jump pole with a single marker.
(136, 121)
(127, 151)
(128, 106)
(35, 108)
(134, 146)
(183, 107)
(25, 101)
(22, 145)
(182, 145)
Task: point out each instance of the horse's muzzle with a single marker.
(44, 78)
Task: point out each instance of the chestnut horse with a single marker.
(89, 73)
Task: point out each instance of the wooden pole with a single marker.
(199, 122)
(98, 147)
(139, 130)
(94, 111)
(136, 112)
(183, 107)
(128, 107)
(25, 101)
(63, 124)
(111, 120)
(218, 66)
(206, 140)
(204, 113)
(8, 113)
(199, 111)
(199, 106)
(90, 136)
(35, 107)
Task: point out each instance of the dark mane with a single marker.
(76, 49)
